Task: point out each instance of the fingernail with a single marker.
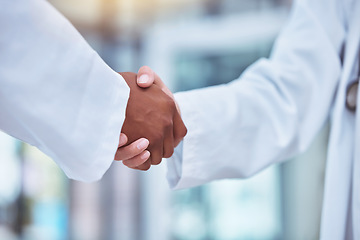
(143, 79)
(122, 140)
(143, 144)
(145, 155)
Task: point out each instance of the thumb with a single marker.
(161, 84)
(145, 77)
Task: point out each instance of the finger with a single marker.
(145, 166)
(179, 129)
(145, 77)
(156, 153)
(122, 140)
(137, 160)
(169, 142)
(132, 150)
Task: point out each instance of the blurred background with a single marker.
(190, 44)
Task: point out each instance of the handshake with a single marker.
(153, 126)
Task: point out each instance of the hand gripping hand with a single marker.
(151, 114)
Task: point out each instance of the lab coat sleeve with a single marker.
(273, 111)
(55, 92)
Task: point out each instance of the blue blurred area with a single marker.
(52, 216)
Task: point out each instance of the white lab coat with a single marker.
(277, 107)
(55, 92)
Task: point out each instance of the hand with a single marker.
(147, 77)
(151, 114)
(131, 155)
(134, 154)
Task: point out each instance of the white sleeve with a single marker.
(273, 111)
(56, 93)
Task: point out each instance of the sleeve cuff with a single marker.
(92, 161)
(180, 174)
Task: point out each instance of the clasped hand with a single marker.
(153, 126)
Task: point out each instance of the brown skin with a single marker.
(152, 114)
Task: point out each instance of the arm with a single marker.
(55, 92)
(273, 111)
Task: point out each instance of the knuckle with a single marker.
(170, 102)
(167, 122)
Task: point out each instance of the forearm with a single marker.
(271, 113)
(56, 93)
